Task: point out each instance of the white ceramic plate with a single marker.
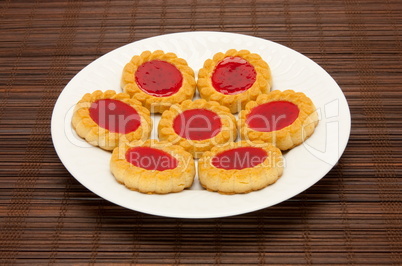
(305, 164)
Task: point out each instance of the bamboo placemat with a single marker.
(351, 216)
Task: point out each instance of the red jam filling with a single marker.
(197, 124)
(272, 116)
(151, 158)
(239, 158)
(115, 116)
(158, 78)
(233, 75)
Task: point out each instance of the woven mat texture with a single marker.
(351, 216)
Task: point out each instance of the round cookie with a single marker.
(158, 80)
(234, 78)
(283, 118)
(240, 167)
(155, 167)
(107, 118)
(197, 126)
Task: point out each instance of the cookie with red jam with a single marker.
(240, 167)
(158, 80)
(155, 167)
(107, 118)
(284, 118)
(197, 126)
(234, 78)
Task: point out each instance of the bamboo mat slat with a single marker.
(351, 216)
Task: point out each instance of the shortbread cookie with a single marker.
(197, 126)
(284, 118)
(153, 167)
(106, 118)
(158, 80)
(240, 167)
(234, 78)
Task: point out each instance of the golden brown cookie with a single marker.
(234, 78)
(106, 118)
(284, 118)
(240, 167)
(197, 126)
(154, 167)
(158, 80)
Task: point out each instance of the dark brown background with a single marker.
(352, 216)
